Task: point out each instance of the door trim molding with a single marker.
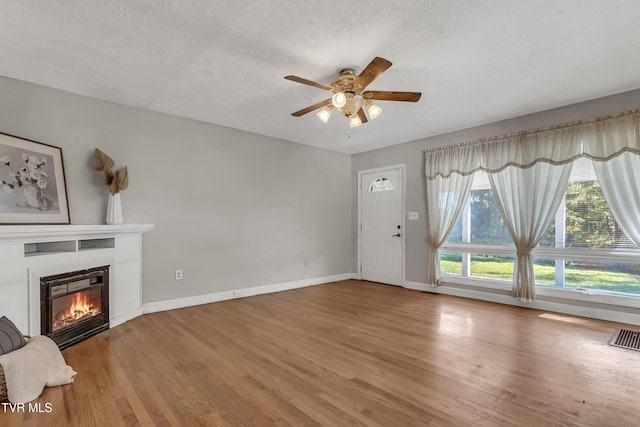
(403, 169)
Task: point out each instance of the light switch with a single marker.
(413, 216)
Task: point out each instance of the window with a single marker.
(584, 248)
(481, 221)
(380, 184)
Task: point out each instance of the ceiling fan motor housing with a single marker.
(344, 83)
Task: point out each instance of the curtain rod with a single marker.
(538, 130)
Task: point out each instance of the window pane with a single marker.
(545, 271)
(549, 236)
(492, 267)
(485, 266)
(451, 262)
(590, 223)
(481, 222)
(487, 225)
(585, 215)
(456, 233)
(603, 276)
(380, 184)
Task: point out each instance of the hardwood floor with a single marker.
(347, 353)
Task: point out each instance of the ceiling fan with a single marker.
(349, 96)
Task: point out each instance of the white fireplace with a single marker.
(28, 253)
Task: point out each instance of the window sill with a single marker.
(600, 297)
(591, 296)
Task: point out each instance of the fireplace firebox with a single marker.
(74, 305)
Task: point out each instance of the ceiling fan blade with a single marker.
(308, 82)
(371, 72)
(310, 108)
(363, 117)
(381, 95)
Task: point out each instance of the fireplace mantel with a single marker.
(34, 233)
(28, 252)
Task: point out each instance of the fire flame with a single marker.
(80, 308)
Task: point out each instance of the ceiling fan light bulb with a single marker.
(325, 113)
(339, 100)
(354, 121)
(373, 110)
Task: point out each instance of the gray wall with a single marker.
(412, 155)
(231, 208)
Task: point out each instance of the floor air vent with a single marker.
(626, 338)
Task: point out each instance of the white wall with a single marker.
(232, 209)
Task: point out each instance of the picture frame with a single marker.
(33, 189)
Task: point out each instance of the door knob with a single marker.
(396, 235)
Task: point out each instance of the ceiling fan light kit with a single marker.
(349, 97)
(339, 100)
(373, 110)
(354, 121)
(325, 113)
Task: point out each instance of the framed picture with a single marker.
(33, 186)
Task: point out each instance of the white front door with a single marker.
(381, 219)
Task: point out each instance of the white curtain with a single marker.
(528, 200)
(447, 193)
(605, 139)
(446, 198)
(620, 181)
(529, 172)
(614, 146)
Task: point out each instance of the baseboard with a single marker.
(355, 276)
(240, 293)
(594, 311)
(417, 286)
(125, 317)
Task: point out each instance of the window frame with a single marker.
(624, 255)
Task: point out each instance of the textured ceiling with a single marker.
(223, 62)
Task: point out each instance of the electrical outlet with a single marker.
(178, 274)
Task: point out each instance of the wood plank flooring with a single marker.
(348, 353)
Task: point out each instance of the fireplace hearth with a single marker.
(74, 305)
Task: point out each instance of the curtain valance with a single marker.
(600, 139)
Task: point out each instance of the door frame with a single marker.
(402, 167)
